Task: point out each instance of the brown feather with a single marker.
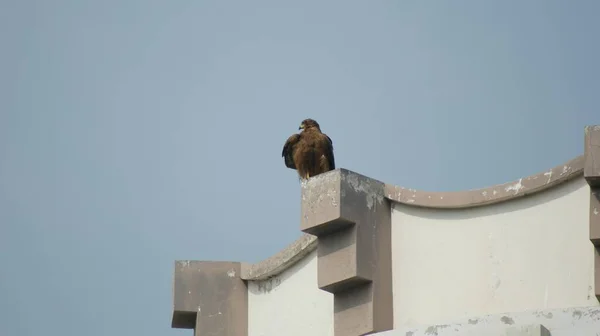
(289, 149)
(310, 152)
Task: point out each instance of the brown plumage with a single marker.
(310, 152)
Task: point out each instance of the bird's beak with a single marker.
(301, 127)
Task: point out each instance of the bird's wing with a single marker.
(329, 153)
(288, 150)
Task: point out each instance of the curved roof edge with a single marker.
(491, 195)
(280, 261)
(441, 200)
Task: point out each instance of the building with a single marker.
(512, 259)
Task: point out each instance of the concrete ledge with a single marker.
(210, 297)
(491, 195)
(580, 321)
(597, 272)
(352, 218)
(411, 197)
(592, 155)
(341, 264)
(595, 216)
(280, 261)
(592, 176)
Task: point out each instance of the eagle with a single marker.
(310, 152)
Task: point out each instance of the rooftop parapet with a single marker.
(346, 217)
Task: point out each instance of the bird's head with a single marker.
(309, 123)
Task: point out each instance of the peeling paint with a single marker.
(565, 322)
(497, 282)
(213, 315)
(325, 187)
(183, 263)
(317, 188)
(515, 187)
(549, 174)
(368, 187)
(231, 273)
(595, 211)
(433, 330)
(507, 320)
(332, 195)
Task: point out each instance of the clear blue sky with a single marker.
(134, 133)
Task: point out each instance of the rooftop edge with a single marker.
(436, 200)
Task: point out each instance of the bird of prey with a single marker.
(310, 152)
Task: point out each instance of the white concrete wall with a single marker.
(290, 303)
(529, 253)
